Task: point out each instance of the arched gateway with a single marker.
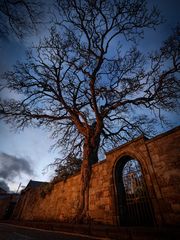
(134, 206)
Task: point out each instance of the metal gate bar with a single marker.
(138, 205)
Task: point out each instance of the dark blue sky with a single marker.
(32, 145)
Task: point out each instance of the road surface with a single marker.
(12, 232)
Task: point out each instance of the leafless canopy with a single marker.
(86, 85)
(19, 16)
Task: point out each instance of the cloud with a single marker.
(4, 186)
(12, 166)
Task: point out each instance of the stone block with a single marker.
(176, 207)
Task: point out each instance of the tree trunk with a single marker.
(83, 208)
(90, 157)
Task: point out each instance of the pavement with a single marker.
(32, 230)
(13, 232)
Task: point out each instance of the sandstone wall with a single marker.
(59, 204)
(165, 157)
(160, 165)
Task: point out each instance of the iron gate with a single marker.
(135, 207)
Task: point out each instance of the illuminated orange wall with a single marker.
(159, 159)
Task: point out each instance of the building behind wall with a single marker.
(7, 204)
(138, 183)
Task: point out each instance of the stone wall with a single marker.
(159, 160)
(59, 204)
(165, 157)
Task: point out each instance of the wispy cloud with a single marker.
(12, 167)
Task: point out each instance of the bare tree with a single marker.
(81, 84)
(19, 16)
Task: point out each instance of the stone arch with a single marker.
(135, 207)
